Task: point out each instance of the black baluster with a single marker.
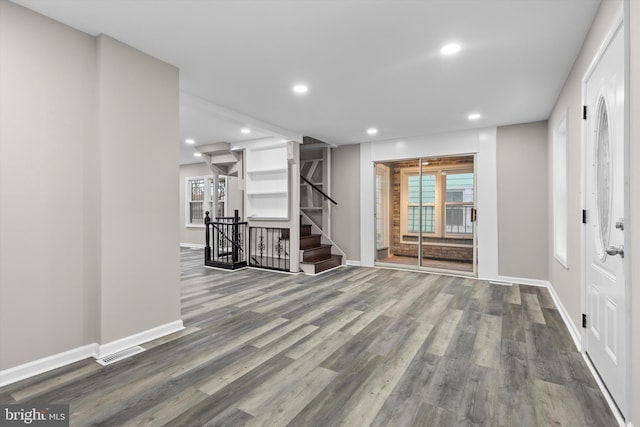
(235, 236)
(207, 247)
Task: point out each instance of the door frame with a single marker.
(620, 20)
(419, 266)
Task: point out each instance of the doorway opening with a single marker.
(425, 214)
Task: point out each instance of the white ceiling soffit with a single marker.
(206, 123)
(367, 63)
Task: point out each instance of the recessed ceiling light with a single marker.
(300, 88)
(245, 131)
(190, 141)
(425, 163)
(372, 131)
(197, 154)
(450, 49)
(474, 116)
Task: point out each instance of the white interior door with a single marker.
(606, 291)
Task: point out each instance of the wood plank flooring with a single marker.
(352, 347)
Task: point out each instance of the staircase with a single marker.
(315, 256)
(221, 159)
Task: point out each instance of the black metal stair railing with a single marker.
(269, 248)
(225, 242)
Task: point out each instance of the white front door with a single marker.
(606, 291)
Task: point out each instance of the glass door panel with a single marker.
(425, 213)
(459, 188)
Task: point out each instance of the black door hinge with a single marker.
(584, 112)
(584, 320)
(584, 216)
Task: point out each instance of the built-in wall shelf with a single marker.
(268, 171)
(266, 193)
(267, 182)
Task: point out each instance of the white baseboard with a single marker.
(192, 245)
(523, 281)
(353, 263)
(605, 391)
(95, 350)
(137, 339)
(45, 364)
(576, 335)
(572, 327)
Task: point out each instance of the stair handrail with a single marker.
(326, 196)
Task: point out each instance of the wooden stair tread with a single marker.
(320, 246)
(309, 236)
(322, 258)
(316, 256)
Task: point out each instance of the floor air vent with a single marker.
(116, 357)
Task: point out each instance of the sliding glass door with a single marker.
(425, 213)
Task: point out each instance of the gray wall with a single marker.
(568, 281)
(44, 126)
(88, 192)
(521, 157)
(345, 189)
(138, 139)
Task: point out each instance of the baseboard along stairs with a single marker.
(315, 256)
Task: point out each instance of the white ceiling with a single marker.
(367, 63)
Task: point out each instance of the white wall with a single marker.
(482, 142)
(88, 191)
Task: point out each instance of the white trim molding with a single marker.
(523, 281)
(604, 391)
(353, 263)
(138, 339)
(192, 245)
(571, 326)
(45, 364)
(575, 335)
(94, 350)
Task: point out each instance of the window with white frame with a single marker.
(200, 197)
(442, 204)
(426, 203)
(458, 203)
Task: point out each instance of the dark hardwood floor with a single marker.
(352, 347)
